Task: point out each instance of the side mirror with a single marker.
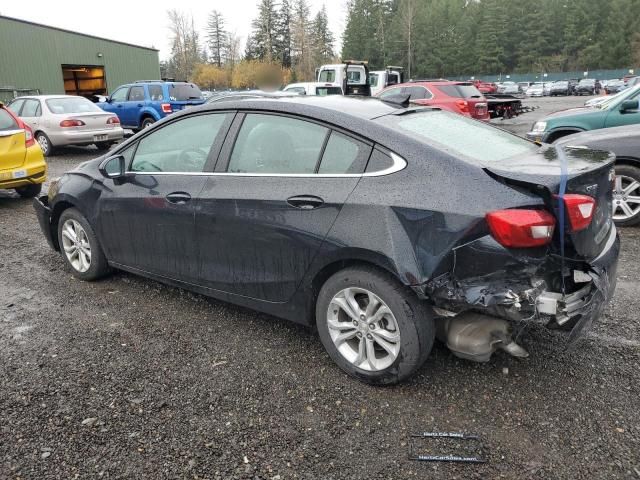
(629, 105)
(113, 167)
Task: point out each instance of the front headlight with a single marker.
(539, 127)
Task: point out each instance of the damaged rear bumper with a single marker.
(569, 299)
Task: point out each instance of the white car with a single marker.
(509, 88)
(60, 120)
(536, 90)
(313, 88)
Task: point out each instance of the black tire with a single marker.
(45, 144)
(146, 122)
(103, 146)
(414, 320)
(98, 266)
(29, 191)
(632, 172)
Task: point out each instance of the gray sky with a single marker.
(145, 23)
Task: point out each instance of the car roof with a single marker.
(435, 82)
(367, 108)
(46, 97)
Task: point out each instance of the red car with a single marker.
(458, 97)
(485, 87)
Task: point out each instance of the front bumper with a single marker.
(61, 137)
(43, 212)
(539, 137)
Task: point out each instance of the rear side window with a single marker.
(31, 108)
(379, 161)
(136, 94)
(460, 91)
(181, 92)
(458, 135)
(275, 144)
(6, 121)
(343, 155)
(155, 93)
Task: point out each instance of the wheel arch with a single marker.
(626, 160)
(56, 212)
(148, 113)
(560, 132)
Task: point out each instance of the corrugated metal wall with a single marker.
(31, 57)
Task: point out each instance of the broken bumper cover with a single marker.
(43, 212)
(524, 294)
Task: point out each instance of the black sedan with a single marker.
(383, 225)
(625, 143)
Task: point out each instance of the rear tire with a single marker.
(626, 175)
(80, 248)
(146, 122)
(29, 191)
(45, 144)
(403, 327)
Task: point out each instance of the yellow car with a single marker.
(22, 165)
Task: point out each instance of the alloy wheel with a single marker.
(626, 198)
(363, 329)
(76, 245)
(44, 143)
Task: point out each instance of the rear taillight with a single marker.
(72, 122)
(463, 105)
(481, 109)
(113, 121)
(166, 107)
(580, 210)
(521, 228)
(29, 140)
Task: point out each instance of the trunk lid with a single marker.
(92, 120)
(12, 148)
(588, 172)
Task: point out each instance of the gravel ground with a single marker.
(128, 378)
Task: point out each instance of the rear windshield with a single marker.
(328, 76)
(180, 92)
(71, 105)
(460, 91)
(324, 91)
(478, 142)
(6, 121)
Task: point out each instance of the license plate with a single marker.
(19, 174)
(99, 138)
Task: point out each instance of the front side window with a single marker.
(31, 108)
(275, 144)
(418, 93)
(390, 92)
(16, 105)
(136, 94)
(120, 95)
(181, 146)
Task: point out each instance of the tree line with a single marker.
(440, 38)
(286, 43)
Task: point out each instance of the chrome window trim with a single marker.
(399, 164)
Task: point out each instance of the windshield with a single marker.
(561, 84)
(184, 91)
(460, 135)
(373, 79)
(614, 100)
(353, 76)
(71, 105)
(6, 121)
(328, 76)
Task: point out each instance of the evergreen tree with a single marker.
(217, 38)
(264, 32)
(283, 31)
(322, 38)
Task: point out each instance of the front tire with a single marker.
(373, 327)
(626, 196)
(29, 191)
(79, 246)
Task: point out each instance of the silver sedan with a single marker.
(60, 120)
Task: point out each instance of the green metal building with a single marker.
(37, 58)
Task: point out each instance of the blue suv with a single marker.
(139, 104)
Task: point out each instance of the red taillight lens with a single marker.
(71, 122)
(166, 107)
(113, 121)
(29, 140)
(580, 210)
(463, 105)
(521, 228)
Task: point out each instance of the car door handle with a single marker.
(305, 202)
(139, 105)
(178, 198)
